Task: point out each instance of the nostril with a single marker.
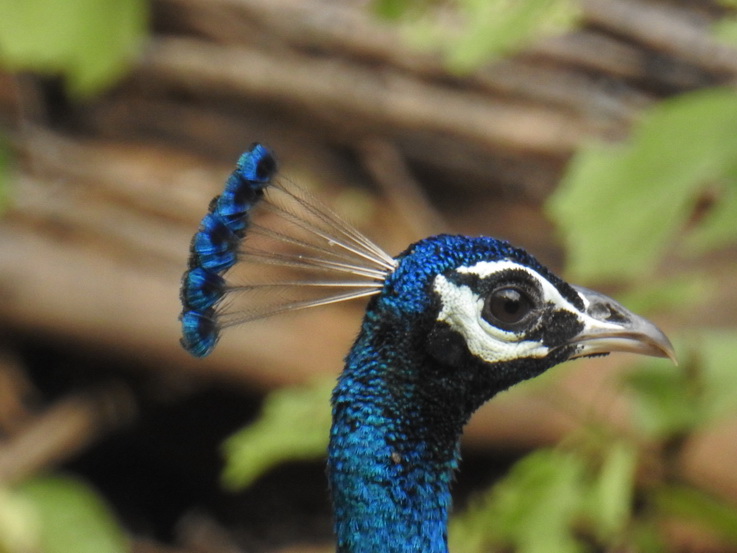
(599, 311)
(605, 311)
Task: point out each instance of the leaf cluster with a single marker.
(468, 33)
(57, 514)
(89, 42)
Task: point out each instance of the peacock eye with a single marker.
(508, 307)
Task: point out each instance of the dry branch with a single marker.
(384, 102)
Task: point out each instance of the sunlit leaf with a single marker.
(726, 30)
(495, 28)
(19, 525)
(294, 424)
(469, 33)
(91, 42)
(619, 205)
(72, 518)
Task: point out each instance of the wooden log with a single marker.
(379, 102)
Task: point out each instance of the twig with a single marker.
(666, 29)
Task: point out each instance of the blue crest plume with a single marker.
(201, 289)
(199, 331)
(451, 321)
(215, 245)
(245, 259)
(245, 187)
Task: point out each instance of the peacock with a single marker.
(450, 322)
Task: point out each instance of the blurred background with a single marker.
(601, 135)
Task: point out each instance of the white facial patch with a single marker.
(461, 310)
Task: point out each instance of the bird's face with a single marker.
(498, 311)
(504, 310)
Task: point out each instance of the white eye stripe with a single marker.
(485, 269)
(461, 310)
(462, 307)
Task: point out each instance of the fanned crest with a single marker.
(266, 246)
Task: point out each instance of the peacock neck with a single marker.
(393, 445)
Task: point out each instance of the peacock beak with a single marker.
(609, 327)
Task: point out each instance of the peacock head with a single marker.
(495, 312)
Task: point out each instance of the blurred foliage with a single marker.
(57, 514)
(548, 493)
(703, 390)
(19, 525)
(726, 28)
(691, 504)
(4, 174)
(89, 42)
(471, 32)
(294, 424)
(620, 206)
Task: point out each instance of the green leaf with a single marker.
(725, 30)
(680, 291)
(611, 498)
(495, 28)
(716, 352)
(532, 509)
(91, 42)
(395, 9)
(696, 505)
(619, 205)
(665, 403)
(647, 536)
(719, 227)
(469, 33)
(71, 517)
(294, 424)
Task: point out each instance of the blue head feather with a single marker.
(215, 248)
(201, 289)
(200, 332)
(245, 186)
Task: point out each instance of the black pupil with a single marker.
(508, 305)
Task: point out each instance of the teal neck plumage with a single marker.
(390, 462)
